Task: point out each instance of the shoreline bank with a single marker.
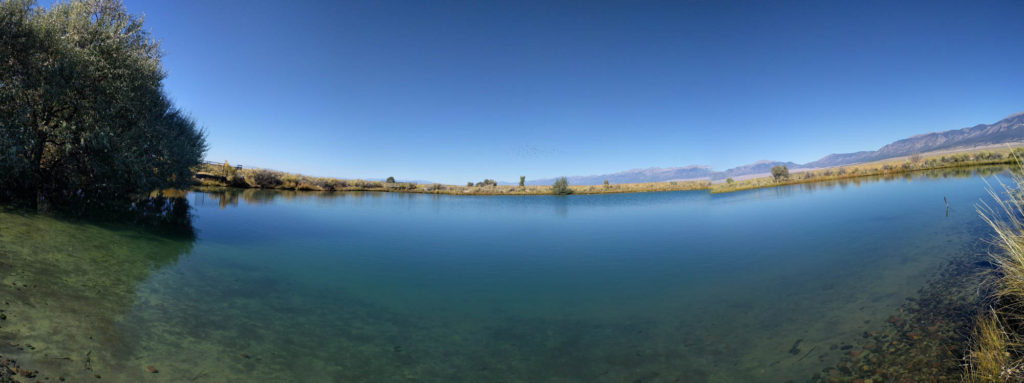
(799, 178)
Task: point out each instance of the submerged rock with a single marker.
(925, 340)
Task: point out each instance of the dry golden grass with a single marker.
(211, 175)
(220, 176)
(878, 168)
(996, 350)
(989, 359)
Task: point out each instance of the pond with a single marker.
(757, 285)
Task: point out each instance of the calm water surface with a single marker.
(374, 287)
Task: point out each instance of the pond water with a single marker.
(378, 287)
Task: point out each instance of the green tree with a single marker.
(83, 115)
(729, 180)
(606, 184)
(390, 180)
(470, 183)
(780, 172)
(522, 181)
(561, 186)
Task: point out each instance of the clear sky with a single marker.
(458, 91)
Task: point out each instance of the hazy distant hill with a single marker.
(1008, 130)
(637, 175)
(759, 167)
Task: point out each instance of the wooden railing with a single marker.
(239, 167)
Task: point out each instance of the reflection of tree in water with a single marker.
(68, 282)
(230, 197)
(561, 206)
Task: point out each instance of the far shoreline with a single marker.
(225, 176)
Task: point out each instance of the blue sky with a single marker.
(459, 91)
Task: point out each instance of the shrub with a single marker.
(390, 180)
(263, 179)
(1018, 153)
(469, 184)
(727, 180)
(84, 119)
(561, 186)
(238, 182)
(780, 172)
(487, 182)
(227, 170)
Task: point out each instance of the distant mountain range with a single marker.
(1008, 130)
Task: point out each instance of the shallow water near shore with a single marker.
(386, 287)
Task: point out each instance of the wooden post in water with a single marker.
(947, 205)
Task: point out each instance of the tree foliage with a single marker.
(522, 181)
(780, 172)
(487, 182)
(83, 115)
(561, 186)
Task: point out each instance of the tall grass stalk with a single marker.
(996, 354)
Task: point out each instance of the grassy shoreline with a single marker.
(997, 349)
(766, 182)
(225, 176)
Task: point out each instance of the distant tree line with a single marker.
(83, 115)
(484, 183)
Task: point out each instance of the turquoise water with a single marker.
(378, 287)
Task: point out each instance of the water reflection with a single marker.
(963, 172)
